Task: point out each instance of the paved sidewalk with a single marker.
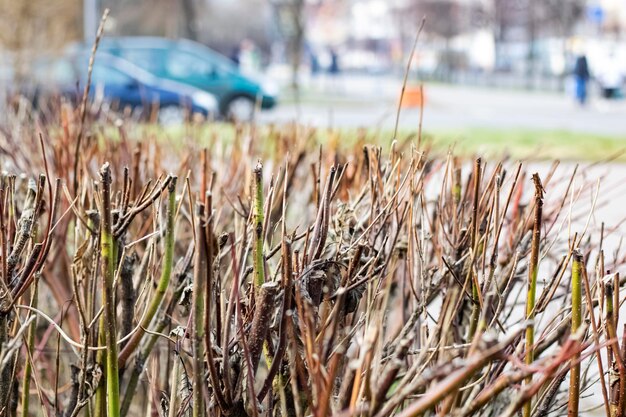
(371, 101)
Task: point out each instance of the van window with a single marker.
(109, 76)
(181, 65)
(150, 60)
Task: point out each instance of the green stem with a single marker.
(617, 374)
(574, 385)
(475, 290)
(174, 380)
(199, 283)
(101, 360)
(532, 283)
(146, 349)
(164, 280)
(108, 269)
(140, 364)
(457, 189)
(259, 261)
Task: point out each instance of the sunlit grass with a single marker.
(533, 144)
(514, 143)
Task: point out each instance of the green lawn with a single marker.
(530, 144)
(515, 143)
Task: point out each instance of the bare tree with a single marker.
(537, 19)
(563, 16)
(223, 25)
(189, 17)
(446, 19)
(290, 16)
(220, 25)
(560, 16)
(30, 28)
(507, 15)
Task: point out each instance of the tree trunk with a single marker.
(189, 18)
(297, 12)
(532, 37)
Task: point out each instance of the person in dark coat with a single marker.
(581, 75)
(333, 69)
(234, 55)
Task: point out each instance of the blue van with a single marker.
(194, 64)
(121, 84)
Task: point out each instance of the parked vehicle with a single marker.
(194, 64)
(122, 84)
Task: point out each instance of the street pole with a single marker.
(90, 20)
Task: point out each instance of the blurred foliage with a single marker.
(30, 28)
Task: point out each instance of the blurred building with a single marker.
(527, 39)
(461, 38)
(374, 35)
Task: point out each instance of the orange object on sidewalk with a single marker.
(414, 96)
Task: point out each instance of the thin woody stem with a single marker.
(533, 269)
(108, 272)
(574, 386)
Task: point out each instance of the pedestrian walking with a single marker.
(581, 76)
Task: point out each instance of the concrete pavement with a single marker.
(360, 101)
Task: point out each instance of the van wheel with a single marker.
(240, 109)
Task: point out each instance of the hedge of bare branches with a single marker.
(267, 276)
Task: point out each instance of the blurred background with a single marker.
(342, 61)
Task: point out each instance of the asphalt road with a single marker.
(357, 101)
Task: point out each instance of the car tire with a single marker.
(240, 109)
(171, 116)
